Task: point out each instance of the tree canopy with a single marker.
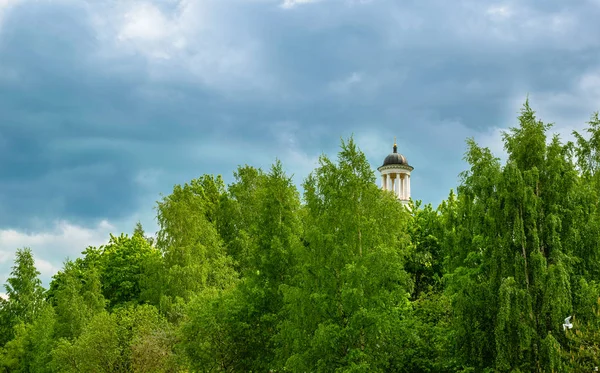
(258, 276)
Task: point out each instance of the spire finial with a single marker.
(394, 140)
(395, 146)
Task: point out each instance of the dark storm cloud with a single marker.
(87, 108)
(55, 96)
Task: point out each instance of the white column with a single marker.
(399, 193)
(393, 188)
(400, 186)
(403, 186)
(383, 181)
(408, 186)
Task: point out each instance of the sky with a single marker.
(107, 104)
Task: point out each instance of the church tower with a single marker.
(395, 175)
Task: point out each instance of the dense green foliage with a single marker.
(249, 277)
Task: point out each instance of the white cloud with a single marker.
(46, 268)
(64, 234)
(5, 6)
(51, 247)
(147, 30)
(205, 41)
(499, 12)
(145, 22)
(6, 3)
(288, 4)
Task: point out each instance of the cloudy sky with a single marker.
(105, 104)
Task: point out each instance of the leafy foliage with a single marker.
(250, 278)
(25, 295)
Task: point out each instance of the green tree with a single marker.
(582, 350)
(30, 350)
(123, 263)
(95, 350)
(510, 250)
(76, 293)
(132, 338)
(139, 231)
(424, 257)
(343, 310)
(25, 295)
(233, 330)
(239, 213)
(194, 257)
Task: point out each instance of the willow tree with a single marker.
(585, 244)
(509, 269)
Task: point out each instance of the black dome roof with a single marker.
(395, 158)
